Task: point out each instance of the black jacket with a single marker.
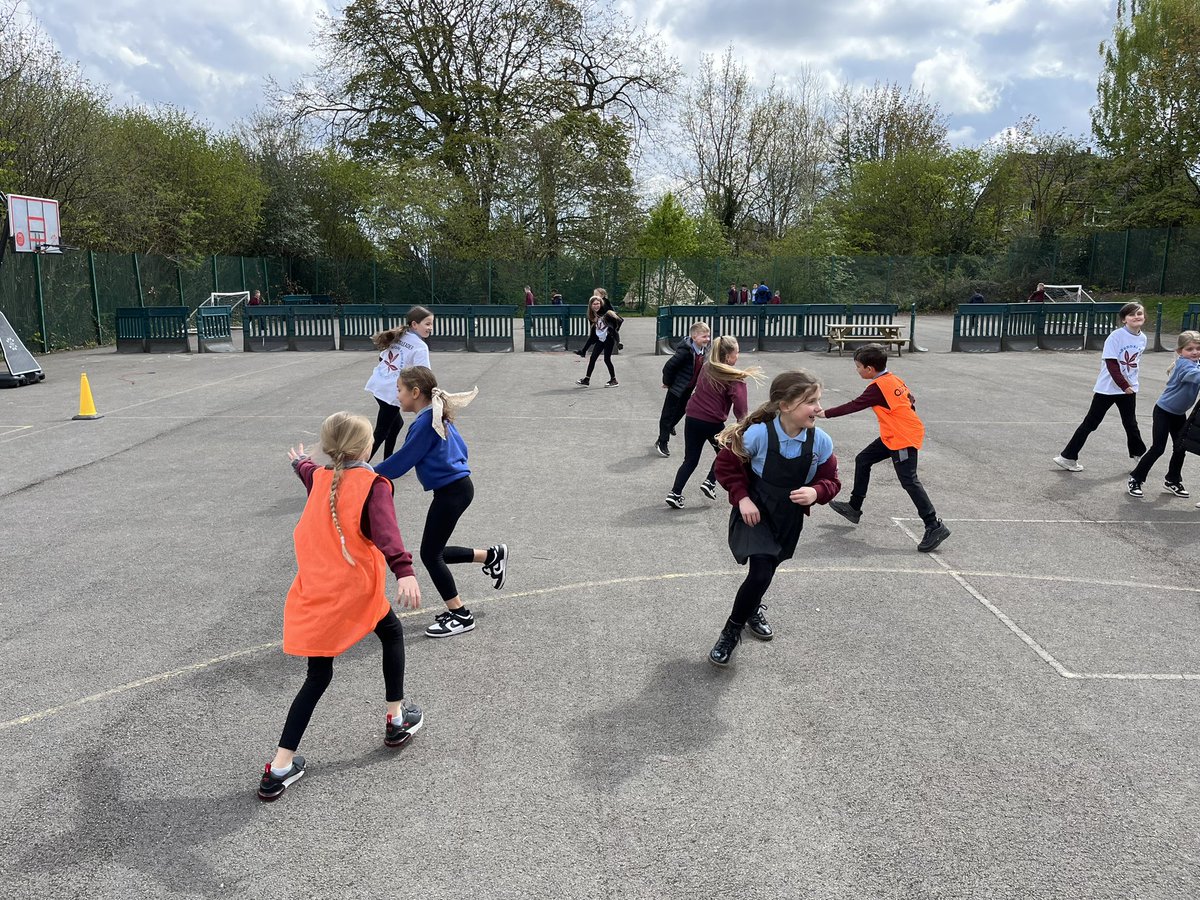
(677, 372)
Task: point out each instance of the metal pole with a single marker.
(41, 302)
(179, 281)
(242, 263)
(432, 268)
(1158, 346)
(374, 281)
(1162, 278)
(489, 280)
(95, 296)
(1124, 262)
(137, 277)
(216, 286)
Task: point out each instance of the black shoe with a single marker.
(584, 381)
(612, 382)
(400, 731)
(759, 626)
(708, 488)
(497, 569)
(580, 354)
(846, 511)
(1134, 488)
(933, 537)
(271, 787)
(662, 449)
(723, 649)
(1176, 488)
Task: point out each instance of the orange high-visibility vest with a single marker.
(332, 605)
(899, 426)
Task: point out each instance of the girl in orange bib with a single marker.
(346, 540)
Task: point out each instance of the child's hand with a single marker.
(805, 496)
(409, 592)
(750, 513)
(293, 455)
(820, 414)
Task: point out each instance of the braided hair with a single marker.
(345, 438)
(787, 387)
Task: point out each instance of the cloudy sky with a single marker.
(986, 62)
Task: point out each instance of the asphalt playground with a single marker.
(1013, 716)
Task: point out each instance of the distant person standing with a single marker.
(762, 294)
(979, 298)
(733, 295)
(775, 298)
(255, 299)
(556, 299)
(529, 298)
(1039, 295)
(743, 295)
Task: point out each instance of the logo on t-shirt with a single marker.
(1129, 360)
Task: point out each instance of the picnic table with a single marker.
(841, 333)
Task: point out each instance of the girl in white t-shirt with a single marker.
(602, 339)
(398, 348)
(1116, 386)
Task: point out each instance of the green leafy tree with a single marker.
(1147, 115)
(669, 232)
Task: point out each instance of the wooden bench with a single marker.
(889, 335)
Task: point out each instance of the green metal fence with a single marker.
(60, 301)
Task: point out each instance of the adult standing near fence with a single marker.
(529, 298)
(1039, 295)
(762, 294)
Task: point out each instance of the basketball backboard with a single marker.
(33, 224)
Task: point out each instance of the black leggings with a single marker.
(605, 347)
(1126, 405)
(449, 503)
(696, 432)
(1166, 425)
(320, 673)
(387, 428)
(749, 596)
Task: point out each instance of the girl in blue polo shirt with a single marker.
(1170, 417)
(775, 464)
(437, 451)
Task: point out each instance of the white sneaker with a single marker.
(675, 500)
(497, 570)
(449, 624)
(1071, 465)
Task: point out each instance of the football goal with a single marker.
(239, 298)
(1067, 293)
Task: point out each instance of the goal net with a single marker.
(1067, 293)
(234, 299)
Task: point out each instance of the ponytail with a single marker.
(786, 387)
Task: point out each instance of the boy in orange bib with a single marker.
(346, 540)
(900, 436)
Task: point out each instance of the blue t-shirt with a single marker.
(438, 462)
(1183, 384)
(755, 442)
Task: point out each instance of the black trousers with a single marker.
(749, 596)
(449, 503)
(1166, 425)
(605, 347)
(387, 428)
(696, 433)
(320, 674)
(1126, 405)
(905, 463)
(672, 411)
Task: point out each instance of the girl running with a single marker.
(1117, 386)
(398, 347)
(346, 540)
(775, 464)
(602, 339)
(719, 388)
(435, 448)
(1170, 417)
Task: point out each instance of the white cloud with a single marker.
(949, 78)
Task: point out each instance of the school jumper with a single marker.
(408, 350)
(679, 374)
(1119, 370)
(332, 605)
(707, 410)
(1169, 420)
(901, 434)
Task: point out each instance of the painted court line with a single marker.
(943, 571)
(1028, 640)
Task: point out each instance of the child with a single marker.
(1117, 386)
(719, 389)
(679, 377)
(775, 464)
(435, 448)
(900, 436)
(345, 542)
(1170, 417)
(398, 347)
(602, 339)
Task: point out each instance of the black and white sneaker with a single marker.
(497, 569)
(662, 450)
(612, 382)
(272, 786)
(709, 489)
(450, 623)
(585, 381)
(400, 730)
(1176, 488)
(675, 500)
(1135, 488)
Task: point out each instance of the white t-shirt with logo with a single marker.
(1126, 348)
(409, 350)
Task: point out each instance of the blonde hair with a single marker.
(698, 328)
(787, 387)
(1185, 338)
(384, 339)
(717, 369)
(345, 438)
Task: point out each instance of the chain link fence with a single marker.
(58, 301)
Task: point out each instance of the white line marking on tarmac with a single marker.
(1029, 641)
(944, 571)
(1191, 521)
(14, 427)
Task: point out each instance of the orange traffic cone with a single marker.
(87, 407)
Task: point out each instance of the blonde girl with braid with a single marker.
(720, 388)
(346, 541)
(437, 451)
(775, 463)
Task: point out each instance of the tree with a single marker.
(670, 232)
(881, 123)
(1147, 115)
